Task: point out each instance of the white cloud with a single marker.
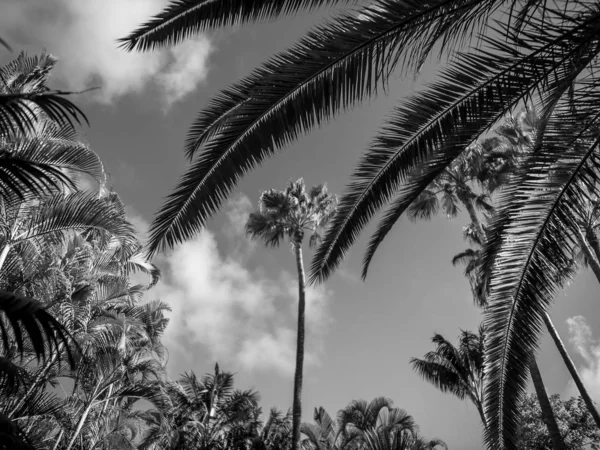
(83, 35)
(584, 342)
(237, 315)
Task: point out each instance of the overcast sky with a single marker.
(233, 301)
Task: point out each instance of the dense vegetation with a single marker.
(82, 364)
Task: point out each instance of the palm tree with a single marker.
(396, 430)
(292, 213)
(457, 370)
(537, 51)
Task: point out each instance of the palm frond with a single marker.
(23, 179)
(430, 130)
(182, 19)
(76, 211)
(29, 320)
(296, 91)
(533, 254)
(17, 114)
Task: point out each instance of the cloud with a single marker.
(237, 315)
(588, 347)
(83, 35)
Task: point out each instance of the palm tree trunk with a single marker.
(468, 203)
(594, 243)
(589, 254)
(572, 370)
(547, 413)
(297, 405)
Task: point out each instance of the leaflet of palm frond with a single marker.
(296, 91)
(529, 266)
(12, 437)
(430, 130)
(17, 114)
(29, 320)
(24, 179)
(76, 211)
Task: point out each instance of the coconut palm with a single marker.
(456, 370)
(290, 214)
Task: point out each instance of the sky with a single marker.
(234, 301)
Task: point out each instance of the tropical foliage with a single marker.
(575, 423)
(83, 366)
(497, 55)
(366, 426)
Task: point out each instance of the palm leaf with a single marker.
(530, 268)
(432, 129)
(17, 114)
(76, 211)
(330, 70)
(22, 178)
(440, 375)
(28, 319)
(182, 19)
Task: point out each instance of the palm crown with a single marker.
(292, 213)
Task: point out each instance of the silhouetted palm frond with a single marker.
(25, 318)
(18, 115)
(182, 19)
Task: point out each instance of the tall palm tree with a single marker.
(292, 213)
(538, 50)
(457, 370)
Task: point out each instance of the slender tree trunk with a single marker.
(4, 254)
(58, 439)
(474, 219)
(594, 243)
(572, 370)
(297, 405)
(80, 424)
(547, 413)
(589, 254)
(39, 381)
